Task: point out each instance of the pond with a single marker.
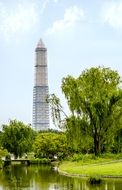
(19, 177)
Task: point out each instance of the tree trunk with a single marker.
(96, 145)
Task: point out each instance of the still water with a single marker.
(45, 178)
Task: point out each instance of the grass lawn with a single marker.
(98, 168)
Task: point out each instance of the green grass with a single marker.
(100, 167)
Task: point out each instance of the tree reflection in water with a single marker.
(18, 177)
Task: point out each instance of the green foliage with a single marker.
(1, 163)
(17, 138)
(83, 157)
(95, 98)
(110, 155)
(116, 146)
(56, 110)
(49, 144)
(49, 131)
(77, 135)
(40, 161)
(77, 157)
(3, 152)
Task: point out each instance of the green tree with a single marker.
(17, 138)
(95, 97)
(50, 144)
(57, 111)
(78, 139)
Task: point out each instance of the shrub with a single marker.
(77, 157)
(40, 161)
(83, 157)
(95, 180)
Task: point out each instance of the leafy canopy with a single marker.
(17, 138)
(50, 144)
(95, 97)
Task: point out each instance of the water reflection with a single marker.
(44, 178)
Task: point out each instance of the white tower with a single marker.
(40, 90)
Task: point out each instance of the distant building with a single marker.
(40, 90)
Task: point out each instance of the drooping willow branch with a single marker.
(56, 110)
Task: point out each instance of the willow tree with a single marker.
(96, 97)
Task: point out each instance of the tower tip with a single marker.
(40, 44)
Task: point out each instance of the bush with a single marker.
(77, 157)
(119, 156)
(111, 155)
(83, 157)
(95, 180)
(40, 161)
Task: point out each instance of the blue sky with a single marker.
(78, 35)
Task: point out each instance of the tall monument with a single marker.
(40, 90)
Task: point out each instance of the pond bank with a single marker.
(104, 170)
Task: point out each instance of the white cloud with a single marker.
(113, 14)
(71, 16)
(17, 20)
